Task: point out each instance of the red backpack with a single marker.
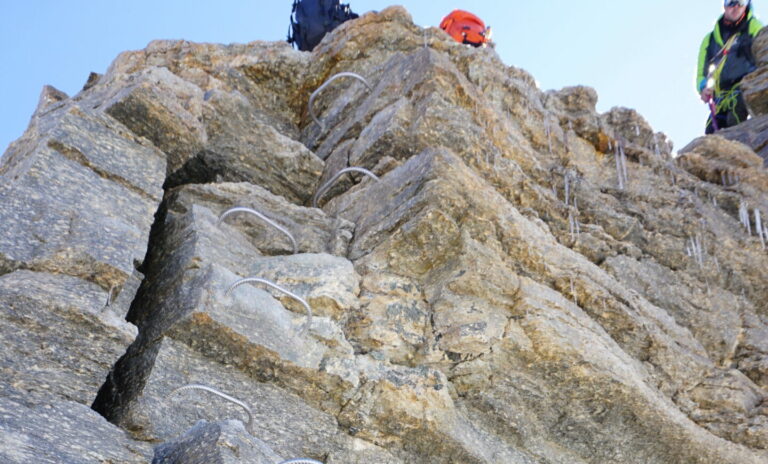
(466, 28)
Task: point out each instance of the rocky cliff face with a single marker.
(527, 281)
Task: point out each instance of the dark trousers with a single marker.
(728, 117)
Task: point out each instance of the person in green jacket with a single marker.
(725, 58)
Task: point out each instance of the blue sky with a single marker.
(637, 54)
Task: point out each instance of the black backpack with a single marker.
(312, 19)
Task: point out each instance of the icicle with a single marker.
(619, 174)
(637, 130)
(624, 163)
(109, 296)
(699, 250)
(744, 217)
(567, 188)
(574, 226)
(549, 134)
(573, 291)
(759, 228)
(722, 175)
(621, 165)
(656, 146)
(695, 250)
(671, 168)
(570, 125)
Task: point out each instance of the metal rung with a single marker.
(242, 209)
(328, 184)
(248, 426)
(249, 280)
(333, 78)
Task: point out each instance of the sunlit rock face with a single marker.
(517, 278)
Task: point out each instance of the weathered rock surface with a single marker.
(529, 281)
(78, 194)
(221, 122)
(281, 419)
(464, 260)
(755, 88)
(718, 160)
(751, 133)
(760, 48)
(59, 338)
(63, 432)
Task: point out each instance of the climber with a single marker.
(466, 28)
(725, 58)
(312, 19)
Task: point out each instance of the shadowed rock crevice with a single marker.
(125, 381)
(196, 170)
(128, 376)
